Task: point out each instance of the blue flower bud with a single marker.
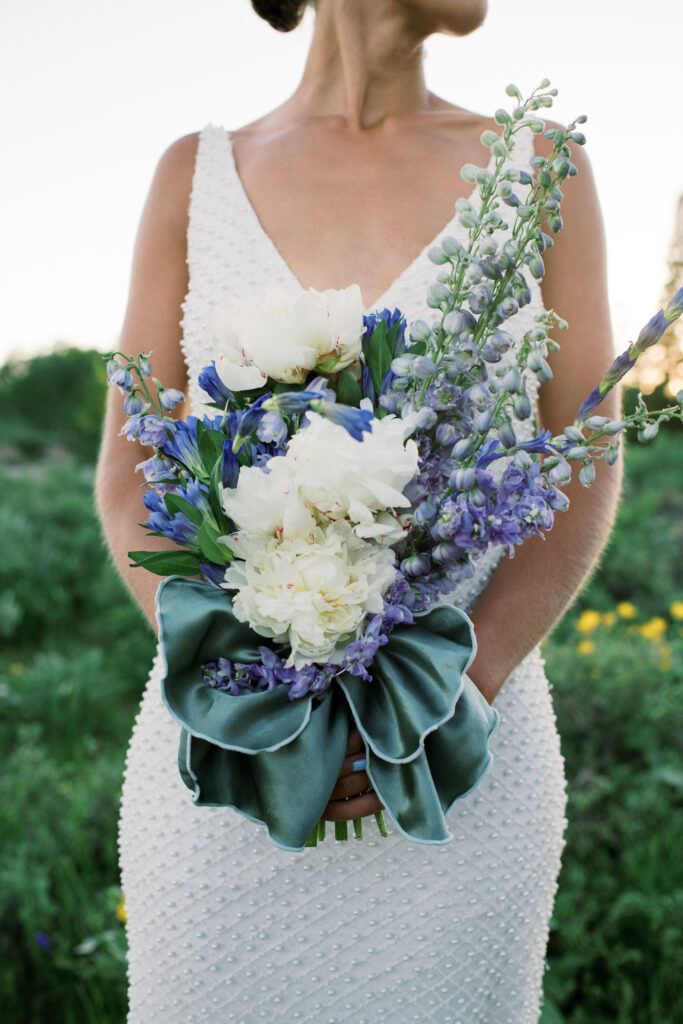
(574, 434)
(525, 212)
(462, 479)
(119, 377)
(480, 299)
(230, 468)
(437, 255)
(483, 420)
(402, 366)
(523, 460)
(512, 381)
(560, 474)
(648, 432)
(144, 366)
(271, 428)
(425, 419)
(420, 331)
(469, 220)
(489, 353)
(445, 433)
(612, 454)
(445, 554)
(558, 501)
(424, 513)
(506, 433)
(438, 293)
(508, 307)
(463, 448)
(476, 497)
(170, 397)
(458, 322)
(415, 565)
(477, 393)
(587, 474)
(501, 116)
(536, 267)
(577, 451)
(452, 246)
(522, 406)
(423, 367)
(134, 404)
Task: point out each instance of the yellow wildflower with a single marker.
(676, 610)
(587, 621)
(665, 652)
(627, 610)
(653, 629)
(585, 647)
(121, 910)
(609, 618)
(15, 668)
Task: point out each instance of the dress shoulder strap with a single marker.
(210, 206)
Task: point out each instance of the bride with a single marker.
(353, 179)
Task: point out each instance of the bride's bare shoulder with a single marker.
(172, 181)
(176, 164)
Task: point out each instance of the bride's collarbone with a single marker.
(347, 211)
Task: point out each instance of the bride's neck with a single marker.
(365, 63)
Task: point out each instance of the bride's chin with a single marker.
(456, 17)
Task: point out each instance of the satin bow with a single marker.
(425, 724)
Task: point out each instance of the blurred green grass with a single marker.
(75, 655)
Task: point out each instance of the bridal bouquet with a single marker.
(353, 473)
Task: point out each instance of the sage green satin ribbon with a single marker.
(276, 761)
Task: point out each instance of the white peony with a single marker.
(344, 478)
(312, 593)
(283, 338)
(266, 505)
(233, 366)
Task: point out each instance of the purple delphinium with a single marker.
(235, 678)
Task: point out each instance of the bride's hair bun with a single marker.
(284, 15)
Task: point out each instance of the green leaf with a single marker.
(418, 348)
(215, 497)
(210, 444)
(209, 543)
(175, 503)
(166, 563)
(348, 389)
(379, 354)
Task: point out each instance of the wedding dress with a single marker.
(226, 928)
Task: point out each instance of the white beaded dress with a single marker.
(226, 928)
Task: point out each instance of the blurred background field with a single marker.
(75, 654)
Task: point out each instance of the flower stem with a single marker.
(358, 828)
(313, 838)
(379, 818)
(341, 831)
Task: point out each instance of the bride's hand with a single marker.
(353, 796)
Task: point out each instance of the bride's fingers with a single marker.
(350, 785)
(355, 744)
(353, 763)
(358, 807)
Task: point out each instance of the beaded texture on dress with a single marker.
(224, 927)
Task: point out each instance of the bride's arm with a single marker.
(530, 592)
(157, 289)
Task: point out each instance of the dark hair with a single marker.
(284, 15)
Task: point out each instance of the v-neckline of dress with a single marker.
(452, 225)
